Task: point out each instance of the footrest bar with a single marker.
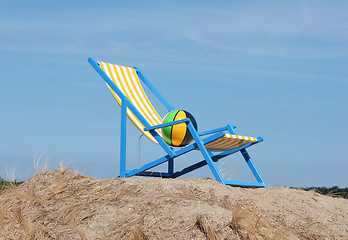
(245, 184)
(153, 174)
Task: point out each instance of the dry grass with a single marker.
(61, 204)
(139, 235)
(205, 227)
(248, 224)
(34, 207)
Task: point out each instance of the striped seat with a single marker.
(126, 79)
(229, 142)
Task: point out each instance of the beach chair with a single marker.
(124, 84)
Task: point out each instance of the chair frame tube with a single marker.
(210, 157)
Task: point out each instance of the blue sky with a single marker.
(276, 69)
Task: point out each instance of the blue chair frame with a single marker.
(210, 157)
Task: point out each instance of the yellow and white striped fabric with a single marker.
(126, 79)
(229, 142)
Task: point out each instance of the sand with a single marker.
(61, 204)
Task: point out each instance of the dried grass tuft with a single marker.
(138, 234)
(38, 167)
(29, 229)
(209, 232)
(250, 224)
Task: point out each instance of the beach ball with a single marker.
(177, 135)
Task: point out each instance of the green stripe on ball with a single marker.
(167, 131)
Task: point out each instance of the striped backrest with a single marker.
(126, 79)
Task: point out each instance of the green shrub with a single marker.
(4, 184)
(332, 191)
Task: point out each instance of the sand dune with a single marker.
(61, 204)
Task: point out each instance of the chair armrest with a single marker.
(185, 120)
(217, 130)
(212, 131)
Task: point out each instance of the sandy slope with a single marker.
(65, 205)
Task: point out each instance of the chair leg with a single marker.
(205, 154)
(252, 167)
(123, 149)
(248, 160)
(170, 167)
